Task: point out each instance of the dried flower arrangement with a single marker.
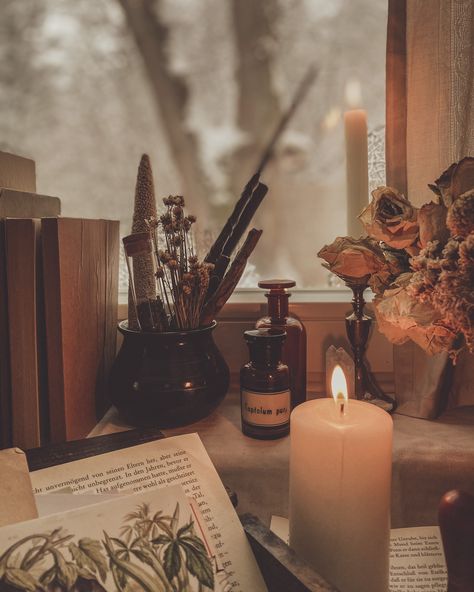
(171, 289)
(419, 262)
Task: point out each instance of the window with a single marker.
(77, 98)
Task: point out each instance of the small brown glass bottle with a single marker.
(294, 348)
(264, 382)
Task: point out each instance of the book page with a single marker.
(180, 460)
(150, 541)
(417, 560)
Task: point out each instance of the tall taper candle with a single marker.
(340, 476)
(357, 172)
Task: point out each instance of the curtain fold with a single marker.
(429, 125)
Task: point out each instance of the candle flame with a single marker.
(339, 387)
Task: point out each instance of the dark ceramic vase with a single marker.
(167, 379)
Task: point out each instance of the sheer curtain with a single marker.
(430, 124)
(430, 91)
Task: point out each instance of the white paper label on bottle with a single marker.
(266, 409)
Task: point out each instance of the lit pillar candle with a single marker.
(340, 478)
(357, 171)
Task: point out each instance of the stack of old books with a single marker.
(58, 309)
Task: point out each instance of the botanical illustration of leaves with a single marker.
(136, 543)
(122, 552)
(67, 574)
(119, 543)
(93, 550)
(86, 574)
(184, 529)
(142, 556)
(161, 540)
(127, 532)
(21, 579)
(172, 560)
(196, 542)
(82, 559)
(175, 519)
(119, 577)
(199, 564)
(48, 576)
(142, 512)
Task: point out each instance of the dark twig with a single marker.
(234, 238)
(216, 249)
(301, 92)
(231, 279)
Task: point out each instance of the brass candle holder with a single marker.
(358, 326)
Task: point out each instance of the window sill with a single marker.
(323, 314)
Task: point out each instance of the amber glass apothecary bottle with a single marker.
(294, 348)
(265, 386)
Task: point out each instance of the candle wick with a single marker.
(341, 408)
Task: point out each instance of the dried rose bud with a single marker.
(178, 212)
(178, 200)
(159, 273)
(168, 201)
(192, 218)
(172, 264)
(192, 260)
(166, 219)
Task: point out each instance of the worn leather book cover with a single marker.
(80, 267)
(24, 315)
(18, 204)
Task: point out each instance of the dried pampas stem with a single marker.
(144, 209)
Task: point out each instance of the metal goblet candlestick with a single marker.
(358, 329)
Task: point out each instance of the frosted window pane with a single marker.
(75, 96)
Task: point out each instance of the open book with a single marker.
(167, 523)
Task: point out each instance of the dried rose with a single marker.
(390, 218)
(461, 215)
(353, 258)
(454, 181)
(395, 262)
(400, 317)
(432, 223)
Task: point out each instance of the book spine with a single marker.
(5, 382)
(21, 242)
(53, 327)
